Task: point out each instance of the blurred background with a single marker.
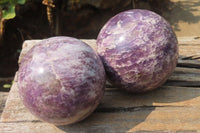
(38, 19)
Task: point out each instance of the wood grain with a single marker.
(173, 107)
(190, 40)
(3, 97)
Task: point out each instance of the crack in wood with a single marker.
(197, 37)
(23, 121)
(189, 63)
(130, 109)
(182, 83)
(192, 57)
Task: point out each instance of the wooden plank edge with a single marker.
(189, 40)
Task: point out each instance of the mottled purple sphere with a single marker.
(139, 50)
(61, 80)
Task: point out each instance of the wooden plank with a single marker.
(160, 119)
(186, 70)
(167, 107)
(185, 77)
(170, 108)
(3, 97)
(191, 40)
(114, 100)
(189, 63)
(191, 51)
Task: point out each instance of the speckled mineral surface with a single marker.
(139, 50)
(61, 80)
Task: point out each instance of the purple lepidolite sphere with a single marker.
(139, 50)
(61, 80)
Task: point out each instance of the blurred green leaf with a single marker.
(21, 1)
(4, 1)
(7, 86)
(9, 13)
(8, 7)
(19, 50)
(12, 2)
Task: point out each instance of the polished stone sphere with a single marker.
(139, 50)
(61, 80)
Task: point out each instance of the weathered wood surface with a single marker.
(3, 97)
(174, 107)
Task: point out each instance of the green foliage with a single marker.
(19, 50)
(7, 86)
(21, 2)
(8, 8)
(9, 12)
